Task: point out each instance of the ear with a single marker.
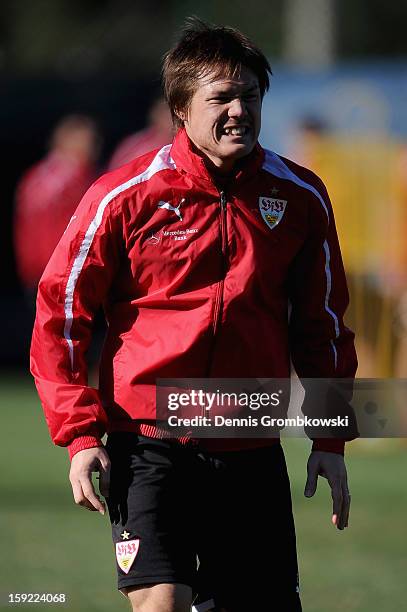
(182, 115)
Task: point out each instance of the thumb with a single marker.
(312, 477)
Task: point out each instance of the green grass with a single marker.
(50, 545)
(364, 567)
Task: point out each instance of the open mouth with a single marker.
(235, 131)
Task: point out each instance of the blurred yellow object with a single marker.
(366, 177)
(365, 181)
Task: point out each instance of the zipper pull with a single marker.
(223, 200)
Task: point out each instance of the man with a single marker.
(214, 304)
(155, 135)
(48, 194)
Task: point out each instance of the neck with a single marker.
(222, 170)
(216, 166)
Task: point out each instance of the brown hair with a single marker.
(204, 48)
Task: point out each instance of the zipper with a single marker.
(218, 307)
(224, 244)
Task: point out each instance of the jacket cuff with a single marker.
(81, 443)
(329, 445)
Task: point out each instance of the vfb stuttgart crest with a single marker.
(272, 210)
(126, 553)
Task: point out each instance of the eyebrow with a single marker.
(225, 92)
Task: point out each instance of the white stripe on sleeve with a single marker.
(275, 165)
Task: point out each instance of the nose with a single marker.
(237, 108)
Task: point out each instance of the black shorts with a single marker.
(220, 522)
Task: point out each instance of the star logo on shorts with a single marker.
(125, 535)
(274, 191)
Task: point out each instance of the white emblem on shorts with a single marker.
(126, 552)
(272, 210)
(125, 535)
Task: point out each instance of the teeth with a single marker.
(237, 131)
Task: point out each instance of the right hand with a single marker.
(332, 467)
(82, 465)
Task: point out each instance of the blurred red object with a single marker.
(157, 134)
(49, 192)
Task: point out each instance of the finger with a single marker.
(86, 504)
(79, 496)
(89, 492)
(337, 498)
(348, 501)
(104, 480)
(345, 508)
(312, 477)
(77, 491)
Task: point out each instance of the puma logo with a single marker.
(168, 206)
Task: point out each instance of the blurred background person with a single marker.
(48, 194)
(304, 141)
(158, 133)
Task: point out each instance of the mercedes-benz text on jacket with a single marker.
(195, 280)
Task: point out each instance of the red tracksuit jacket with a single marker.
(195, 280)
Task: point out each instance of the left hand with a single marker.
(83, 464)
(332, 467)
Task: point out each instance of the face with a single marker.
(224, 118)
